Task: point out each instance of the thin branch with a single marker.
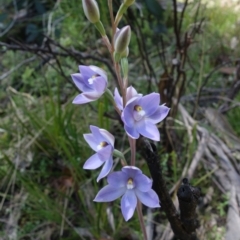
(205, 81)
(176, 29)
(57, 61)
(182, 14)
(143, 49)
(68, 53)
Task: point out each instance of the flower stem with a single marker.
(107, 43)
(140, 217)
(120, 82)
(111, 12)
(132, 143)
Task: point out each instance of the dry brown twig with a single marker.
(220, 159)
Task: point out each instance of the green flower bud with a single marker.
(91, 10)
(121, 39)
(128, 2)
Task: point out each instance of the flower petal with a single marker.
(99, 71)
(80, 83)
(86, 72)
(118, 99)
(99, 85)
(117, 179)
(150, 103)
(148, 130)
(128, 204)
(96, 134)
(109, 193)
(106, 169)
(149, 198)
(132, 92)
(94, 95)
(81, 99)
(107, 136)
(127, 114)
(142, 182)
(159, 115)
(92, 141)
(105, 153)
(131, 171)
(93, 162)
(132, 132)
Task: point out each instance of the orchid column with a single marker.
(139, 113)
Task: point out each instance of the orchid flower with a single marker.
(102, 142)
(132, 185)
(92, 81)
(141, 114)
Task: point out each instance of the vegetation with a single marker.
(45, 193)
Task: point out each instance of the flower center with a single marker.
(102, 145)
(130, 183)
(138, 113)
(92, 79)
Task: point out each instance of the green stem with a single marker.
(111, 12)
(120, 82)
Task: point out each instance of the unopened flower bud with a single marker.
(91, 10)
(122, 39)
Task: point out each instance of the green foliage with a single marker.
(223, 205)
(42, 150)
